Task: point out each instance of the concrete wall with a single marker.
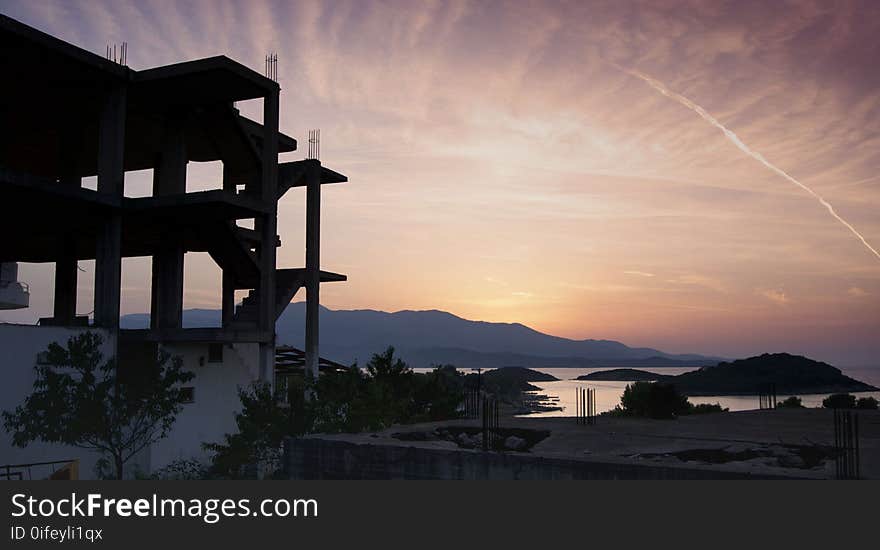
(315, 458)
(19, 346)
(212, 414)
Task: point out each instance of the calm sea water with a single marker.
(562, 392)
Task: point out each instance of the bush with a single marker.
(866, 403)
(839, 401)
(263, 422)
(793, 402)
(653, 400)
(182, 469)
(352, 400)
(706, 408)
(386, 392)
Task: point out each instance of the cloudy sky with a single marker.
(506, 165)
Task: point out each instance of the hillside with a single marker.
(425, 338)
(792, 374)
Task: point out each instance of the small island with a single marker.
(790, 374)
(512, 385)
(624, 375)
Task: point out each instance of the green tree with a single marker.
(391, 387)
(437, 394)
(839, 401)
(867, 403)
(793, 402)
(265, 419)
(353, 400)
(80, 400)
(653, 400)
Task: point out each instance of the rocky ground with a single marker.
(796, 442)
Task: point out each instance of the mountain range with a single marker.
(426, 338)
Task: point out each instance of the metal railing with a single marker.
(17, 471)
(21, 286)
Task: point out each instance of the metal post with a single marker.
(485, 422)
(858, 473)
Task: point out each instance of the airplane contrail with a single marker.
(660, 87)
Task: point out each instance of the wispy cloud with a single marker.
(776, 296)
(696, 279)
(492, 138)
(638, 273)
(857, 292)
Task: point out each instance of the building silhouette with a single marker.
(69, 114)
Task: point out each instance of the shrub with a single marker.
(182, 469)
(839, 401)
(706, 408)
(653, 400)
(351, 400)
(793, 402)
(868, 403)
(263, 422)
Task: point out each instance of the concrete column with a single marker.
(167, 287)
(268, 231)
(313, 269)
(111, 179)
(228, 289)
(169, 178)
(64, 310)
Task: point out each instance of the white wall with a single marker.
(212, 415)
(19, 346)
(207, 419)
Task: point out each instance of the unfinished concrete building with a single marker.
(69, 114)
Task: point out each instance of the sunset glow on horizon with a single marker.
(512, 162)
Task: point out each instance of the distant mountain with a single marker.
(425, 338)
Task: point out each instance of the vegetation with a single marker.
(79, 400)
(868, 403)
(839, 401)
(659, 400)
(386, 392)
(653, 400)
(793, 402)
(263, 422)
(706, 408)
(848, 401)
(181, 470)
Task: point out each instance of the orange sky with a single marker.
(503, 169)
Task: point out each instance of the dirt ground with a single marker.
(787, 442)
